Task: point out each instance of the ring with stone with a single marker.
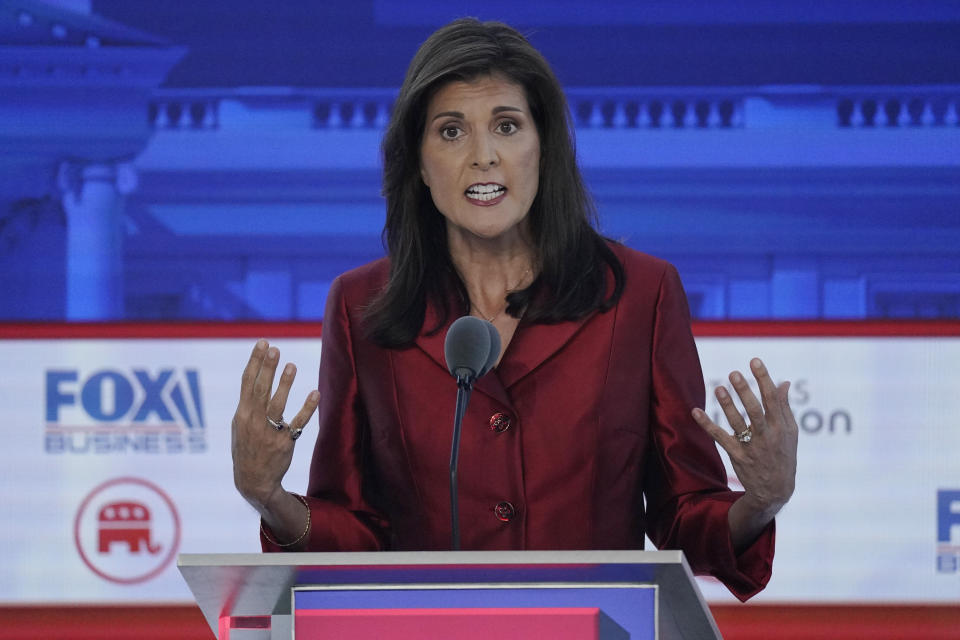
(278, 425)
(745, 436)
(294, 433)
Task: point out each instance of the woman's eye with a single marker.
(507, 127)
(450, 133)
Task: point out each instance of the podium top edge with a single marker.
(436, 558)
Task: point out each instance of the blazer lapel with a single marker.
(532, 345)
(432, 345)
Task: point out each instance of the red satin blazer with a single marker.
(561, 443)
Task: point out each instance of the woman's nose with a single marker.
(484, 153)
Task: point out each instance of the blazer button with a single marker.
(499, 422)
(504, 511)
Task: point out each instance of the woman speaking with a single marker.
(589, 431)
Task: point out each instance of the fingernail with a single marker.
(313, 396)
(756, 363)
(261, 344)
(289, 369)
(273, 353)
(735, 376)
(721, 392)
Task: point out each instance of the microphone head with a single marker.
(467, 347)
(494, 348)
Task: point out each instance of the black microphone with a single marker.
(471, 348)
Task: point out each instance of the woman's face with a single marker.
(480, 157)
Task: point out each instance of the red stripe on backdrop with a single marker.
(838, 622)
(124, 330)
(79, 622)
(829, 328)
(253, 330)
(736, 622)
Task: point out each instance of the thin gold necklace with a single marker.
(482, 314)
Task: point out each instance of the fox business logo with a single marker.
(948, 530)
(111, 411)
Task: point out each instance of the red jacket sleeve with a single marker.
(686, 485)
(341, 520)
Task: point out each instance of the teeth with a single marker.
(485, 188)
(485, 192)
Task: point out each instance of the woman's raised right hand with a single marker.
(261, 442)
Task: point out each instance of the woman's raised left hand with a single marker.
(763, 452)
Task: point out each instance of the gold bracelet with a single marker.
(306, 529)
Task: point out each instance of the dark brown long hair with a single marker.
(574, 261)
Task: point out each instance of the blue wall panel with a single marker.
(794, 161)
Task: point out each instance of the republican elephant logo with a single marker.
(125, 522)
(127, 530)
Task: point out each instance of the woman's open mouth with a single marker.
(486, 193)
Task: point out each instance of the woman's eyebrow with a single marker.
(458, 114)
(450, 114)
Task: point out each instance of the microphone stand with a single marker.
(464, 388)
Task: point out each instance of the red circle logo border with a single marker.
(173, 547)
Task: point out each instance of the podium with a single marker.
(462, 595)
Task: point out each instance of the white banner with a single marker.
(879, 439)
(117, 458)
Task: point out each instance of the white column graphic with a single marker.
(93, 196)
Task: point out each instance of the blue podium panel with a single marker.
(632, 607)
